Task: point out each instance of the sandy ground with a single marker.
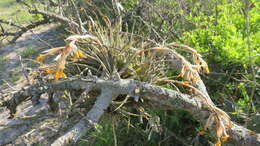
(35, 41)
(22, 131)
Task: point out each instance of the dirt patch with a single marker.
(3, 12)
(23, 131)
(28, 47)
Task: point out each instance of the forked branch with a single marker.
(161, 96)
(93, 116)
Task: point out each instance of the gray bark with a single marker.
(93, 116)
(161, 96)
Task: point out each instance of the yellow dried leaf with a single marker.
(182, 72)
(219, 129)
(50, 71)
(64, 52)
(229, 125)
(201, 64)
(218, 143)
(78, 54)
(40, 58)
(60, 66)
(59, 74)
(141, 109)
(75, 56)
(252, 132)
(224, 138)
(63, 75)
(186, 82)
(193, 79)
(81, 54)
(206, 69)
(202, 132)
(81, 9)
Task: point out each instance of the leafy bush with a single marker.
(224, 33)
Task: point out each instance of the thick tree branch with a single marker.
(86, 123)
(162, 96)
(21, 96)
(239, 134)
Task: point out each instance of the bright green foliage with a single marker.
(243, 102)
(221, 34)
(11, 10)
(224, 31)
(129, 4)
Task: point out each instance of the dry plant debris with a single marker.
(110, 48)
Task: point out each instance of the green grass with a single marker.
(11, 10)
(15, 76)
(28, 52)
(2, 60)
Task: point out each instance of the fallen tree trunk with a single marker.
(93, 116)
(166, 98)
(162, 96)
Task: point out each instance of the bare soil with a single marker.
(28, 47)
(32, 123)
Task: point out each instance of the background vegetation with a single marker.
(218, 30)
(225, 32)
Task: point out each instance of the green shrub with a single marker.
(224, 33)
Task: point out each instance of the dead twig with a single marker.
(23, 70)
(23, 29)
(57, 17)
(81, 28)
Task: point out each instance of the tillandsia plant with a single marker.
(106, 51)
